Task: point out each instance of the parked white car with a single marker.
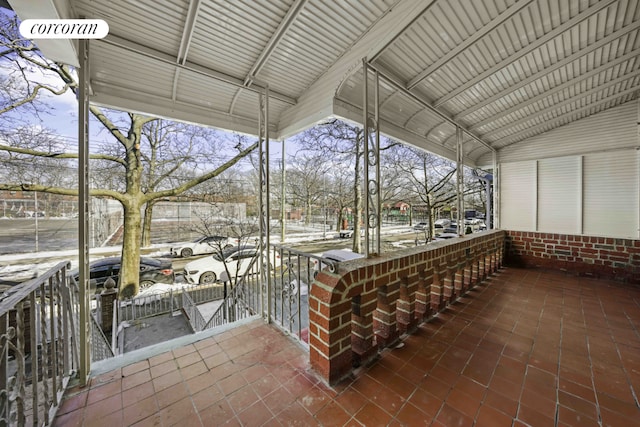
(211, 269)
(348, 233)
(202, 245)
(442, 223)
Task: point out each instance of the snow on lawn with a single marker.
(157, 291)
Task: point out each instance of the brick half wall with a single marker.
(368, 304)
(600, 257)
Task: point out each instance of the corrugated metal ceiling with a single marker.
(506, 70)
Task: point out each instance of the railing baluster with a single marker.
(43, 303)
(20, 356)
(4, 370)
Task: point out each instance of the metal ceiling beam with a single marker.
(187, 32)
(569, 59)
(195, 68)
(536, 128)
(428, 106)
(275, 39)
(555, 90)
(434, 127)
(559, 105)
(525, 51)
(411, 117)
(110, 95)
(185, 41)
(495, 22)
(419, 15)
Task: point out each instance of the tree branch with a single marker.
(111, 127)
(61, 190)
(32, 96)
(59, 155)
(202, 178)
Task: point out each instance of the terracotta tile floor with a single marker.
(525, 348)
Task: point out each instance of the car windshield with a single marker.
(221, 256)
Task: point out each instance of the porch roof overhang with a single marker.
(504, 70)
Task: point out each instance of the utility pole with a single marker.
(35, 196)
(283, 197)
(324, 191)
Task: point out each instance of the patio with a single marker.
(526, 347)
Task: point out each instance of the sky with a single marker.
(63, 117)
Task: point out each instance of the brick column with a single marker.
(362, 336)
(448, 291)
(474, 272)
(385, 315)
(458, 283)
(494, 260)
(329, 333)
(423, 296)
(437, 294)
(407, 305)
(467, 277)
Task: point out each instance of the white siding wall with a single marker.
(612, 129)
(518, 195)
(559, 195)
(587, 178)
(595, 195)
(611, 194)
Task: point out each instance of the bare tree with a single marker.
(19, 58)
(305, 181)
(428, 178)
(340, 193)
(344, 142)
(172, 151)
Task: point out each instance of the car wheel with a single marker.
(186, 252)
(207, 278)
(146, 284)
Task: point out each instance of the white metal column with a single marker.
(460, 181)
(263, 202)
(83, 210)
(495, 193)
(371, 163)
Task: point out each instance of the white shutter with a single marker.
(559, 195)
(518, 196)
(611, 194)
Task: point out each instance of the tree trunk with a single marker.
(130, 265)
(146, 230)
(307, 219)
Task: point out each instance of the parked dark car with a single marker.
(151, 271)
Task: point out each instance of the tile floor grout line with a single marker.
(593, 381)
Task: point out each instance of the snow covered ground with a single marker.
(24, 266)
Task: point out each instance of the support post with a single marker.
(371, 163)
(460, 181)
(283, 197)
(263, 204)
(83, 210)
(496, 192)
